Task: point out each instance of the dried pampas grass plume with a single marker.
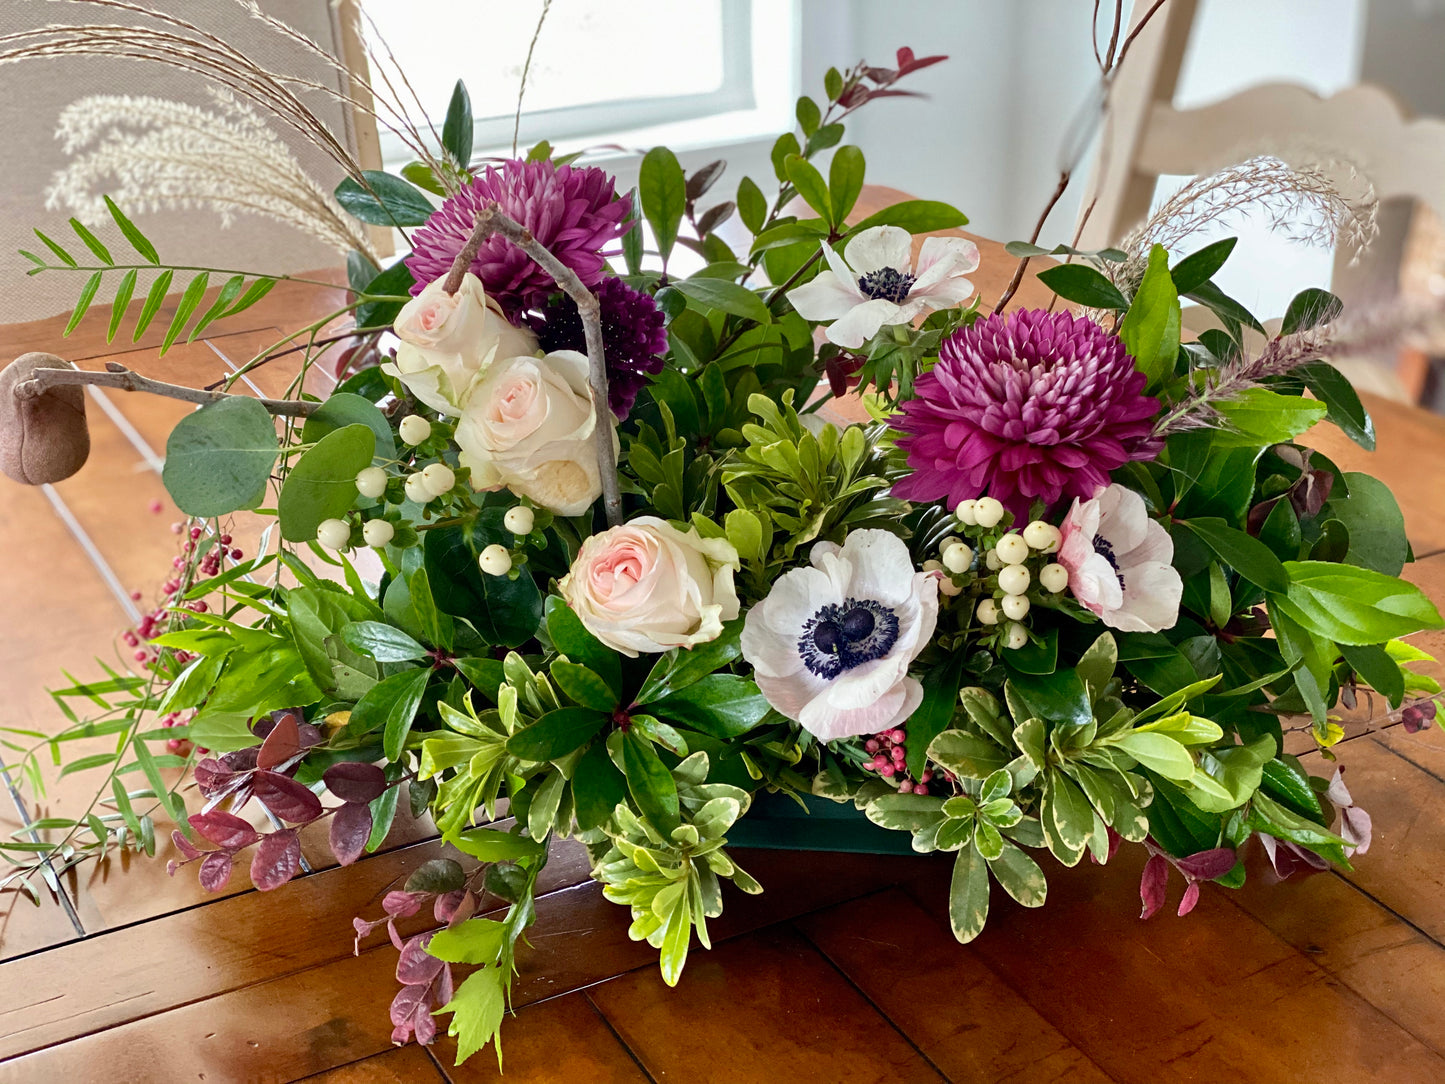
(152, 154)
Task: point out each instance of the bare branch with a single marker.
(120, 378)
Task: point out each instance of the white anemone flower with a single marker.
(1120, 562)
(831, 645)
(878, 284)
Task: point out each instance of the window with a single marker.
(601, 69)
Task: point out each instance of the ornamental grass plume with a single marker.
(1028, 406)
(572, 211)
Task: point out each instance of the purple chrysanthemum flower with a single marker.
(633, 338)
(573, 212)
(1032, 405)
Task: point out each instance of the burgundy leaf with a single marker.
(403, 904)
(277, 860)
(353, 781)
(406, 1001)
(184, 845)
(455, 907)
(1207, 865)
(1191, 897)
(424, 1025)
(1355, 828)
(293, 802)
(895, 94)
(216, 871)
(416, 965)
(1153, 884)
(350, 829)
(171, 868)
(393, 936)
(907, 63)
(224, 829)
(281, 744)
(1254, 522)
(262, 727)
(880, 75)
(1288, 858)
(1417, 715)
(213, 778)
(241, 760)
(854, 96)
(441, 986)
(309, 736)
(436, 876)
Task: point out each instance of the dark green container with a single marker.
(774, 821)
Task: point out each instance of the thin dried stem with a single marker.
(492, 220)
(120, 378)
(527, 70)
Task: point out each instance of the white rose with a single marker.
(646, 586)
(528, 425)
(445, 340)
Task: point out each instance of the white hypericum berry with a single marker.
(334, 534)
(414, 429)
(438, 479)
(950, 540)
(371, 482)
(987, 512)
(1014, 580)
(519, 519)
(1054, 578)
(495, 560)
(1014, 607)
(1012, 549)
(932, 566)
(377, 532)
(964, 512)
(1043, 536)
(1016, 636)
(987, 612)
(992, 561)
(946, 586)
(957, 557)
(416, 489)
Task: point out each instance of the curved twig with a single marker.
(117, 376)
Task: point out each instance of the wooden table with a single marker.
(843, 970)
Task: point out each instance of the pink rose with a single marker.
(647, 587)
(445, 340)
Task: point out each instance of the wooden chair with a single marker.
(1146, 136)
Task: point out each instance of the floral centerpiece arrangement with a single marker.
(587, 542)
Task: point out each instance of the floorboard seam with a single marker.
(587, 997)
(51, 880)
(1413, 763)
(97, 559)
(864, 995)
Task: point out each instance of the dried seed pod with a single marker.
(44, 438)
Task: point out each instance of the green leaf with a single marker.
(60, 253)
(1244, 553)
(154, 297)
(1199, 267)
(1351, 605)
(476, 941)
(1375, 523)
(228, 293)
(175, 808)
(91, 242)
(421, 175)
(505, 611)
(1158, 752)
(845, 180)
(1333, 388)
(968, 894)
(724, 705)
(650, 783)
(1287, 782)
(1383, 674)
(322, 483)
(1059, 698)
(679, 668)
(390, 706)
(1257, 417)
(915, 216)
(570, 637)
(195, 290)
(967, 755)
(1237, 770)
(219, 459)
(1084, 285)
(556, 734)
(804, 176)
(752, 205)
(493, 845)
(808, 114)
(934, 713)
(1150, 328)
(386, 200)
(662, 187)
(477, 1009)
(1223, 306)
(1020, 876)
(1310, 308)
(254, 293)
(724, 296)
(87, 295)
(396, 280)
(597, 788)
(583, 686)
(138, 240)
(457, 128)
(347, 408)
(382, 642)
(123, 294)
